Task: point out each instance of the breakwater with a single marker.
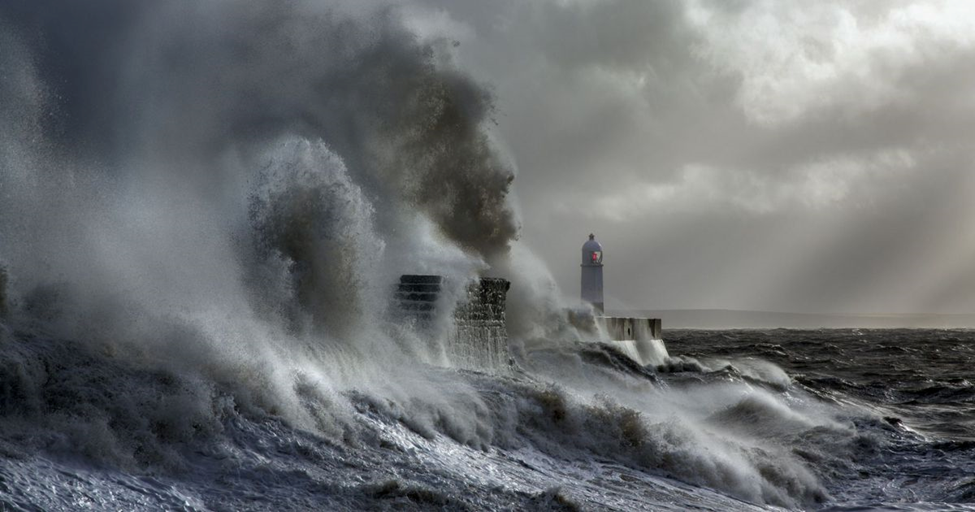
(477, 336)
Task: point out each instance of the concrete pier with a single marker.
(638, 338)
(480, 335)
(417, 296)
(629, 328)
(478, 338)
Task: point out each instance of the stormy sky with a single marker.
(751, 154)
(780, 155)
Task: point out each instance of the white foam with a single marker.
(647, 352)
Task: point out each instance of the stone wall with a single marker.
(478, 338)
(638, 338)
(417, 296)
(628, 328)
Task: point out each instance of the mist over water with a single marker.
(204, 210)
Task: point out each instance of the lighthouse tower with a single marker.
(592, 273)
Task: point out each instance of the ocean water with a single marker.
(908, 394)
(734, 420)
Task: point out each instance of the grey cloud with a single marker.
(602, 100)
(759, 134)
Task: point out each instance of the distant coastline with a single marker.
(739, 319)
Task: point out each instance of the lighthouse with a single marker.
(592, 273)
(637, 338)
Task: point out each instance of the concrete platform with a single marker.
(478, 336)
(638, 338)
(631, 328)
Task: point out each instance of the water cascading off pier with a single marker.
(477, 336)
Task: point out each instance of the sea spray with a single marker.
(307, 213)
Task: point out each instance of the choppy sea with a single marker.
(732, 420)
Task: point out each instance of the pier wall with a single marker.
(478, 336)
(638, 338)
(630, 328)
